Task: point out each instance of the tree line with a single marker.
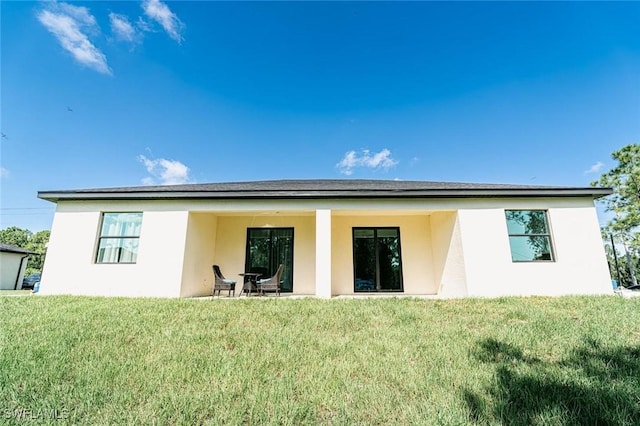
(621, 234)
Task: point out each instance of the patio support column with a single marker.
(323, 253)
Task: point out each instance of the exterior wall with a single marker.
(11, 270)
(197, 273)
(70, 266)
(323, 254)
(448, 257)
(580, 266)
(415, 244)
(450, 248)
(231, 240)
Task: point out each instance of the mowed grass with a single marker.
(15, 292)
(546, 361)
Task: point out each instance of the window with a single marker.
(267, 248)
(377, 264)
(529, 235)
(119, 236)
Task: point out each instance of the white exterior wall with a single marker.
(415, 247)
(580, 265)
(197, 273)
(448, 257)
(323, 253)
(11, 270)
(70, 266)
(450, 248)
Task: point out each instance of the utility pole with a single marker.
(615, 259)
(634, 281)
(623, 238)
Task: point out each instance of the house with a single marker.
(335, 237)
(13, 261)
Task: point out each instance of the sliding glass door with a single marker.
(377, 265)
(267, 248)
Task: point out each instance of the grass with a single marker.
(547, 361)
(15, 293)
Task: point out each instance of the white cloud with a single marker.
(164, 172)
(4, 172)
(160, 12)
(122, 28)
(380, 160)
(143, 25)
(79, 13)
(595, 168)
(70, 25)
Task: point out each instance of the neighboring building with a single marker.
(335, 237)
(13, 261)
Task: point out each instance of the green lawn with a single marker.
(547, 361)
(15, 292)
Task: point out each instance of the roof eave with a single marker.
(20, 252)
(55, 196)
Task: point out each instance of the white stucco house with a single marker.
(13, 262)
(335, 237)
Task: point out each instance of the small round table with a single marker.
(251, 283)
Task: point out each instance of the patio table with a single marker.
(251, 282)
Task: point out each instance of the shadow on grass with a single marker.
(593, 385)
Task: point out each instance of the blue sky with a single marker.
(125, 93)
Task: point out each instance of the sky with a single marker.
(127, 93)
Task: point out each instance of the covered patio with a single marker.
(320, 250)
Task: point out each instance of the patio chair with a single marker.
(271, 284)
(222, 283)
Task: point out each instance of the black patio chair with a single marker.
(222, 283)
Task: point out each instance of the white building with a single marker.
(335, 237)
(13, 261)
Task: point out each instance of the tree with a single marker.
(37, 244)
(624, 179)
(15, 236)
(27, 240)
(625, 200)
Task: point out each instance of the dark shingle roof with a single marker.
(323, 188)
(14, 249)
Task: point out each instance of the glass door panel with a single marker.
(364, 259)
(376, 258)
(389, 260)
(267, 249)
